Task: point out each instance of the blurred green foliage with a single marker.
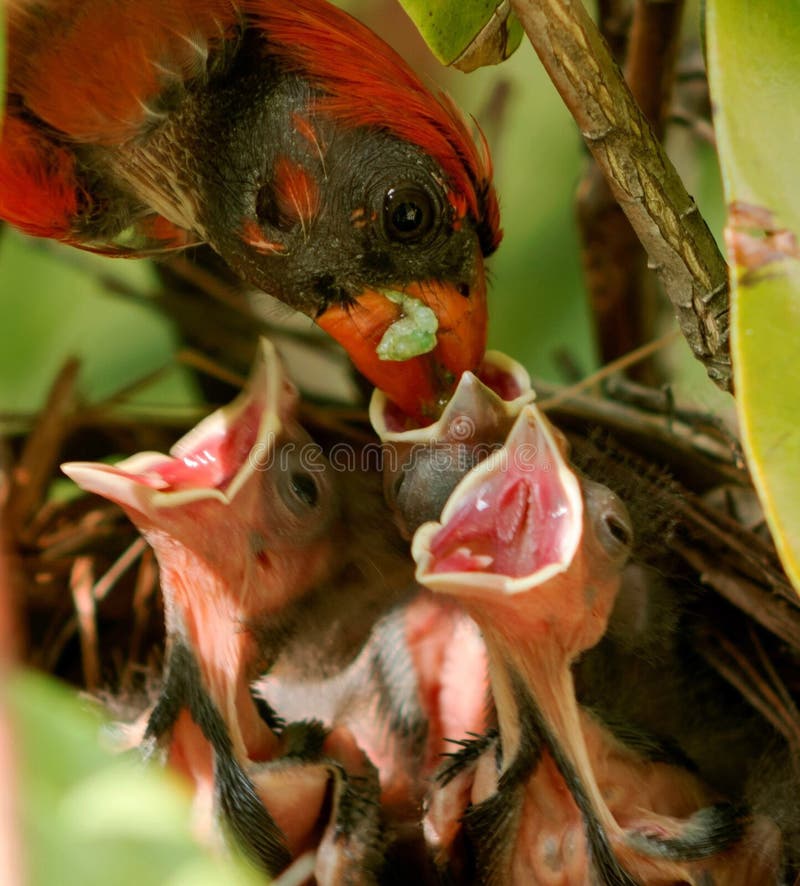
(53, 306)
(90, 817)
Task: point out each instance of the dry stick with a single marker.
(621, 292)
(789, 706)
(118, 569)
(85, 597)
(144, 590)
(34, 470)
(12, 634)
(80, 583)
(65, 541)
(774, 613)
(641, 176)
(198, 360)
(630, 359)
(232, 298)
(767, 695)
(754, 557)
(210, 284)
(319, 417)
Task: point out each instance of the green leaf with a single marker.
(466, 33)
(754, 70)
(90, 818)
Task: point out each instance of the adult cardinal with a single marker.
(285, 135)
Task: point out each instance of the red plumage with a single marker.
(90, 68)
(38, 190)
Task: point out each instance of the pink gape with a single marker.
(534, 556)
(244, 528)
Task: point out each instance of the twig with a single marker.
(621, 292)
(746, 552)
(767, 692)
(81, 586)
(12, 634)
(642, 178)
(118, 569)
(652, 54)
(86, 595)
(98, 523)
(706, 460)
(769, 610)
(209, 283)
(34, 470)
(630, 359)
(145, 588)
(197, 360)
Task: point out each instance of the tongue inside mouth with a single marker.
(518, 513)
(499, 374)
(213, 459)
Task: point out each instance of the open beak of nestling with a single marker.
(414, 345)
(514, 522)
(214, 461)
(424, 464)
(481, 409)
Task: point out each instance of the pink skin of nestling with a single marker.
(534, 555)
(234, 545)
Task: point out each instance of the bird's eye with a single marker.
(610, 520)
(300, 480)
(408, 213)
(304, 488)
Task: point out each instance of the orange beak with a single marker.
(421, 384)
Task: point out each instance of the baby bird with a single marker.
(261, 546)
(534, 555)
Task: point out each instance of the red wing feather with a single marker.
(38, 189)
(92, 68)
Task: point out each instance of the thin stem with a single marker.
(642, 178)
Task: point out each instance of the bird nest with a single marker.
(718, 621)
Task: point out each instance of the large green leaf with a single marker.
(754, 69)
(89, 818)
(466, 33)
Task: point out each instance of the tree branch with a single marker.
(643, 180)
(622, 293)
